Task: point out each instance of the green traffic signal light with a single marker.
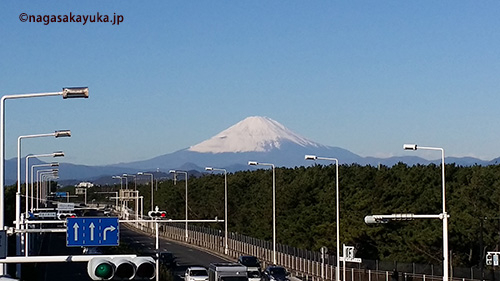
(104, 271)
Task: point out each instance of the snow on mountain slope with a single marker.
(253, 134)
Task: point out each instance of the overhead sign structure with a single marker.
(92, 231)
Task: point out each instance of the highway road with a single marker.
(55, 244)
(185, 255)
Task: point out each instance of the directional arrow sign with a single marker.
(92, 231)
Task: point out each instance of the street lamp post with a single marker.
(152, 179)
(39, 184)
(136, 194)
(75, 92)
(444, 214)
(175, 172)
(54, 164)
(254, 163)
(135, 180)
(44, 188)
(314, 157)
(226, 247)
(121, 180)
(81, 92)
(57, 134)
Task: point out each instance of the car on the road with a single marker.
(253, 274)
(196, 273)
(275, 273)
(253, 267)
(167, 259)
(249, 261)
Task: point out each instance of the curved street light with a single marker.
(55, 154)
(226, 247)
(175, 172)
(152, 179)
(57, 134)
(255, 163)
(444, 216)
(70, 92)
(314, 157)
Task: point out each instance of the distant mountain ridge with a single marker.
(255, 138)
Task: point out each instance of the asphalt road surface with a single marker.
(186, 256)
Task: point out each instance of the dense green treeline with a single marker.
(305, 208)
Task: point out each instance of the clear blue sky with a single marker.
(366, 76)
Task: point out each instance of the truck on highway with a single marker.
(227, 272)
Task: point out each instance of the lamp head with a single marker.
(209, 169)
(253, 163)
(62, 133)
(172, 171)
(54, 164)
(311, 157)
(140, 173)
(58, 154)
(75, 92)
(409, 146)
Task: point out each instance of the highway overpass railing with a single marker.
(305, 264)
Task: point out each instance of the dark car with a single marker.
(275, 273)
(249, 261)
(167, 259)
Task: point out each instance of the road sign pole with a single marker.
(157, 253)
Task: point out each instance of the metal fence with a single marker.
(305, 264)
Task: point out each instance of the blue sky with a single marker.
(366, 76)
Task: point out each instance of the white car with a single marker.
(196, 273)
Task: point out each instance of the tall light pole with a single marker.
(136, 194)
(126, 180)
(57, 134)
(80, 92)
(444, 214)
(121, 180)
(254, 163)
(54, 164)
(314, 157)
(74, 92)
(117, 194)
(40, 174)
(175, 172)
(152, 179)
(226, 247)
(135, 179)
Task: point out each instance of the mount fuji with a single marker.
(254, 138)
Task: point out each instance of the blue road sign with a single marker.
(92, 231)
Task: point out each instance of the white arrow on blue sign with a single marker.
(92, 231)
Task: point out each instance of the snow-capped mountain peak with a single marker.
(253, 134)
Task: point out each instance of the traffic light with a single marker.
(157, 214)
(63, 216)
(489, 259)
(105, 268)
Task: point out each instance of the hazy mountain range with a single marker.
(252, 139)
